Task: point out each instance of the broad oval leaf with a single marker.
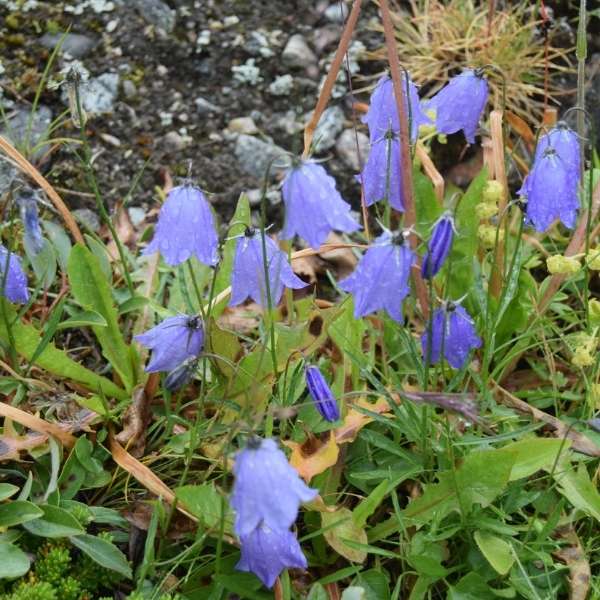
(13, 561)
(55, 522)
(18, 512)
(497, 551)
(340, 526)
(105, 553)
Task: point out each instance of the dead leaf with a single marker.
(343, 258)
(136, 419)
(355, 420)
(125, 232)
(521, 128)
(574, 557)
(11, 447)
(313, 456)
(242, 319)
(307, 268)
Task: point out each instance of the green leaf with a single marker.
(317, 592)
(239, 221)
(7, 490)
(534, 454)
(99, 251)
(105, 553)
(205, 502)
(340, 526)
(85, 318)
(367, 507)
(132, 304)
(55, 523)
(577, 488)
(13, 561)
(92, 290)
(426, 203)
(470, 587)
(60, 240)
(43, 262)
(498, 552)
(465, 243)
(53, 360)
(18, 512)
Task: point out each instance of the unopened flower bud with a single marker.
(583, 355)
(562, 265)
(593, 259)
(486, 210)
(492, 192)
(321, 394)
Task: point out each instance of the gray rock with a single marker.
(129, 89)
(346, 148)
(329, 127)
(174, 142)
(255, 196)
(88, 218)
(255, 155)
(204, 107)
(8, 173)
(98, 95)
(242, 125)
(74, 44)
(336, 13)
(27, 131)
(157, 13)
(297, 53)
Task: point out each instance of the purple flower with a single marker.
(321, 394)
(383, 110)
(185, 228)
(453, 330)
(566, 143)
(267, 489)
(439, 246)
(551, 192)
(459, 104)
(266, 552)
(172, 342)
(313, 206)
(31, 221)
(380, 279)
(382, 175)
(13, 282)
(248, 277)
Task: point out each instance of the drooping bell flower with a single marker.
(382, 175)
(181, 375)
(439, 246)
(321, 394)
(313, 206)
(173, 341)
(185, 228)
(452, 330)
(13, 281)
(28, 208)
(267, 489)
(381, 278)
(566, 144)
(551, 192)
(460, 103)
(383, 110)
(266, 552)
(248, 275)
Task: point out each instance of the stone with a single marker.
(204, 107)
(243, 125)
(255, 196)
(174, 142)
(98, 95)
(129, 89)
(330, 126)
(156, 12)
(27, 132)
(346, 148)
(282, 86)
(297, 53)
(8, 174)
(258, 44)
(75, 45)
(247, 73)
(336, 12)
(255, 155)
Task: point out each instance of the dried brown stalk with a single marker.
(431, 172)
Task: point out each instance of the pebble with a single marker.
(75, 45)
(282, 86)
(297, 52)
(244, 125)
(137, 215)
(8, 173)
(346, 148)
(336, 12)
(157, 13)
(129, 89)
(99, 94)
(330, 126)
(254, 156)
(258, 45)
(174, 142)
(203, 38)
(19, 124)
(204, 107)
(230, 21)
(255, 196)
(88, 218)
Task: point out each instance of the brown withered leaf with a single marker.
(313, 456)
(125, 232)
(242, 319)
(574, 557)
(355, 420)
(307, 268)
(343, 259)
(11, 447)
(135, 423)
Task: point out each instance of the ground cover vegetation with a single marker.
(208, 413)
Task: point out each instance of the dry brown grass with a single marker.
(437, 39)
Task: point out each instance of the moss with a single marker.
(42, 590)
